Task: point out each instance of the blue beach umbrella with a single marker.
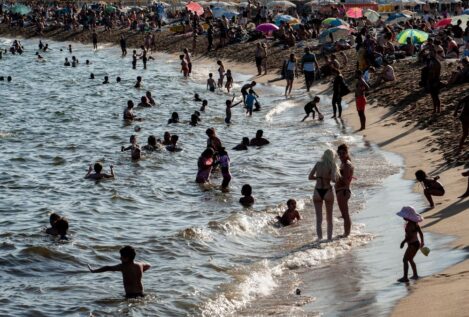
(338, 32)
(334, 22)
(397, 17)
(20, 9)
(218, 12)
(286, 18)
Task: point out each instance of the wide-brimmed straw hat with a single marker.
(409, 213)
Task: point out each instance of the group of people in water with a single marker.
(334, 167)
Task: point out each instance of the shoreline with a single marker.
(438, 294)
(441, 294)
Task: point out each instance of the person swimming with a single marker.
(197, 97)
(204, 105)
(66, 63)
(152, 144)
(247, 200)
(128, 112)
(97, 175)
(144, 102)
(243, 146)
(174, 118)
(91, 76)
(150, 98)
(291, 215)
(118, 79)
(205, 165)
(173, 147)
(259, 140)
(138, 84)
(211, 83)
(106, 80)
(166, 138)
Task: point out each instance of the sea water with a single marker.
(209, 256)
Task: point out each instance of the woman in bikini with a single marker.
(325, 171)
(342, 187)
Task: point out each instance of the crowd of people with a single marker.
(376, 51)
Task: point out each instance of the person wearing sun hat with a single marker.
(412, 231)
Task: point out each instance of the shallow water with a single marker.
(209, 256)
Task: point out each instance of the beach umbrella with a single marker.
(219, 12)
(266, 27)
(20, 9)
(110, 9)
(443, 23)
(287, 19)
(354, 13)
(338, 32)
(371, 15)
(407, 12)
(397, 17)
(334, 22)
(281, 4)
(416, 36)
(195, 7)
(317, 3)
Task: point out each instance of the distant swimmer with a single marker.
(91, 76)
(174, 118)
(41, 45)
(173, 147)
(39, 57)
(247, 200)
(59, 226)
(97, 175)
(75, 61)
(259, 140)
(204, 105)
(70, 48)
(87, 62)
(150, 98)
(310, 107)
(229, 105)
(128, 112)
(123, 44)
(132, 272)
(291, 215)
(46, 48)
(197, 97)
(243, 146)
(205, 165)
(67, 63)
(138, 84)
(106, 80)
(166, 138)
(211, 83)
(152, 144)
(144, 102)
(133, 144)
(195, 119)
(134, 59)
(118, 79)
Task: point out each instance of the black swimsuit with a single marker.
(322, 191)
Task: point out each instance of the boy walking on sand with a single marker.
(132, 272)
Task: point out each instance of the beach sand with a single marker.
(443, 294)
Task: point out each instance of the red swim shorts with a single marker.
(360, 102)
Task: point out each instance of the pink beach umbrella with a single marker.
(443, 23)
(266, 27)
(354, 13)
(195, 7)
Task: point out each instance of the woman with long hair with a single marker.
(324, 172)
(342, 186)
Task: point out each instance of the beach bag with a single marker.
(344, 90)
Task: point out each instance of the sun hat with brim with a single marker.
(409, 213)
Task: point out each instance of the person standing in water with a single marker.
(360, 98)
(324, 172)
(291, 72)
(94, 38)
(132, 272)
(221, 74)
(342, 186)
(123, 44)
(412, 229)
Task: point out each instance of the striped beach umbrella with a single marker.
(334, 22)
(416, 36)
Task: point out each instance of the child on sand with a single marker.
(132, 272)
(97, 175)
(291, 215)
(466, 194)
(210, 83)
(247, 200)
(413, 244)
(431, 186)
